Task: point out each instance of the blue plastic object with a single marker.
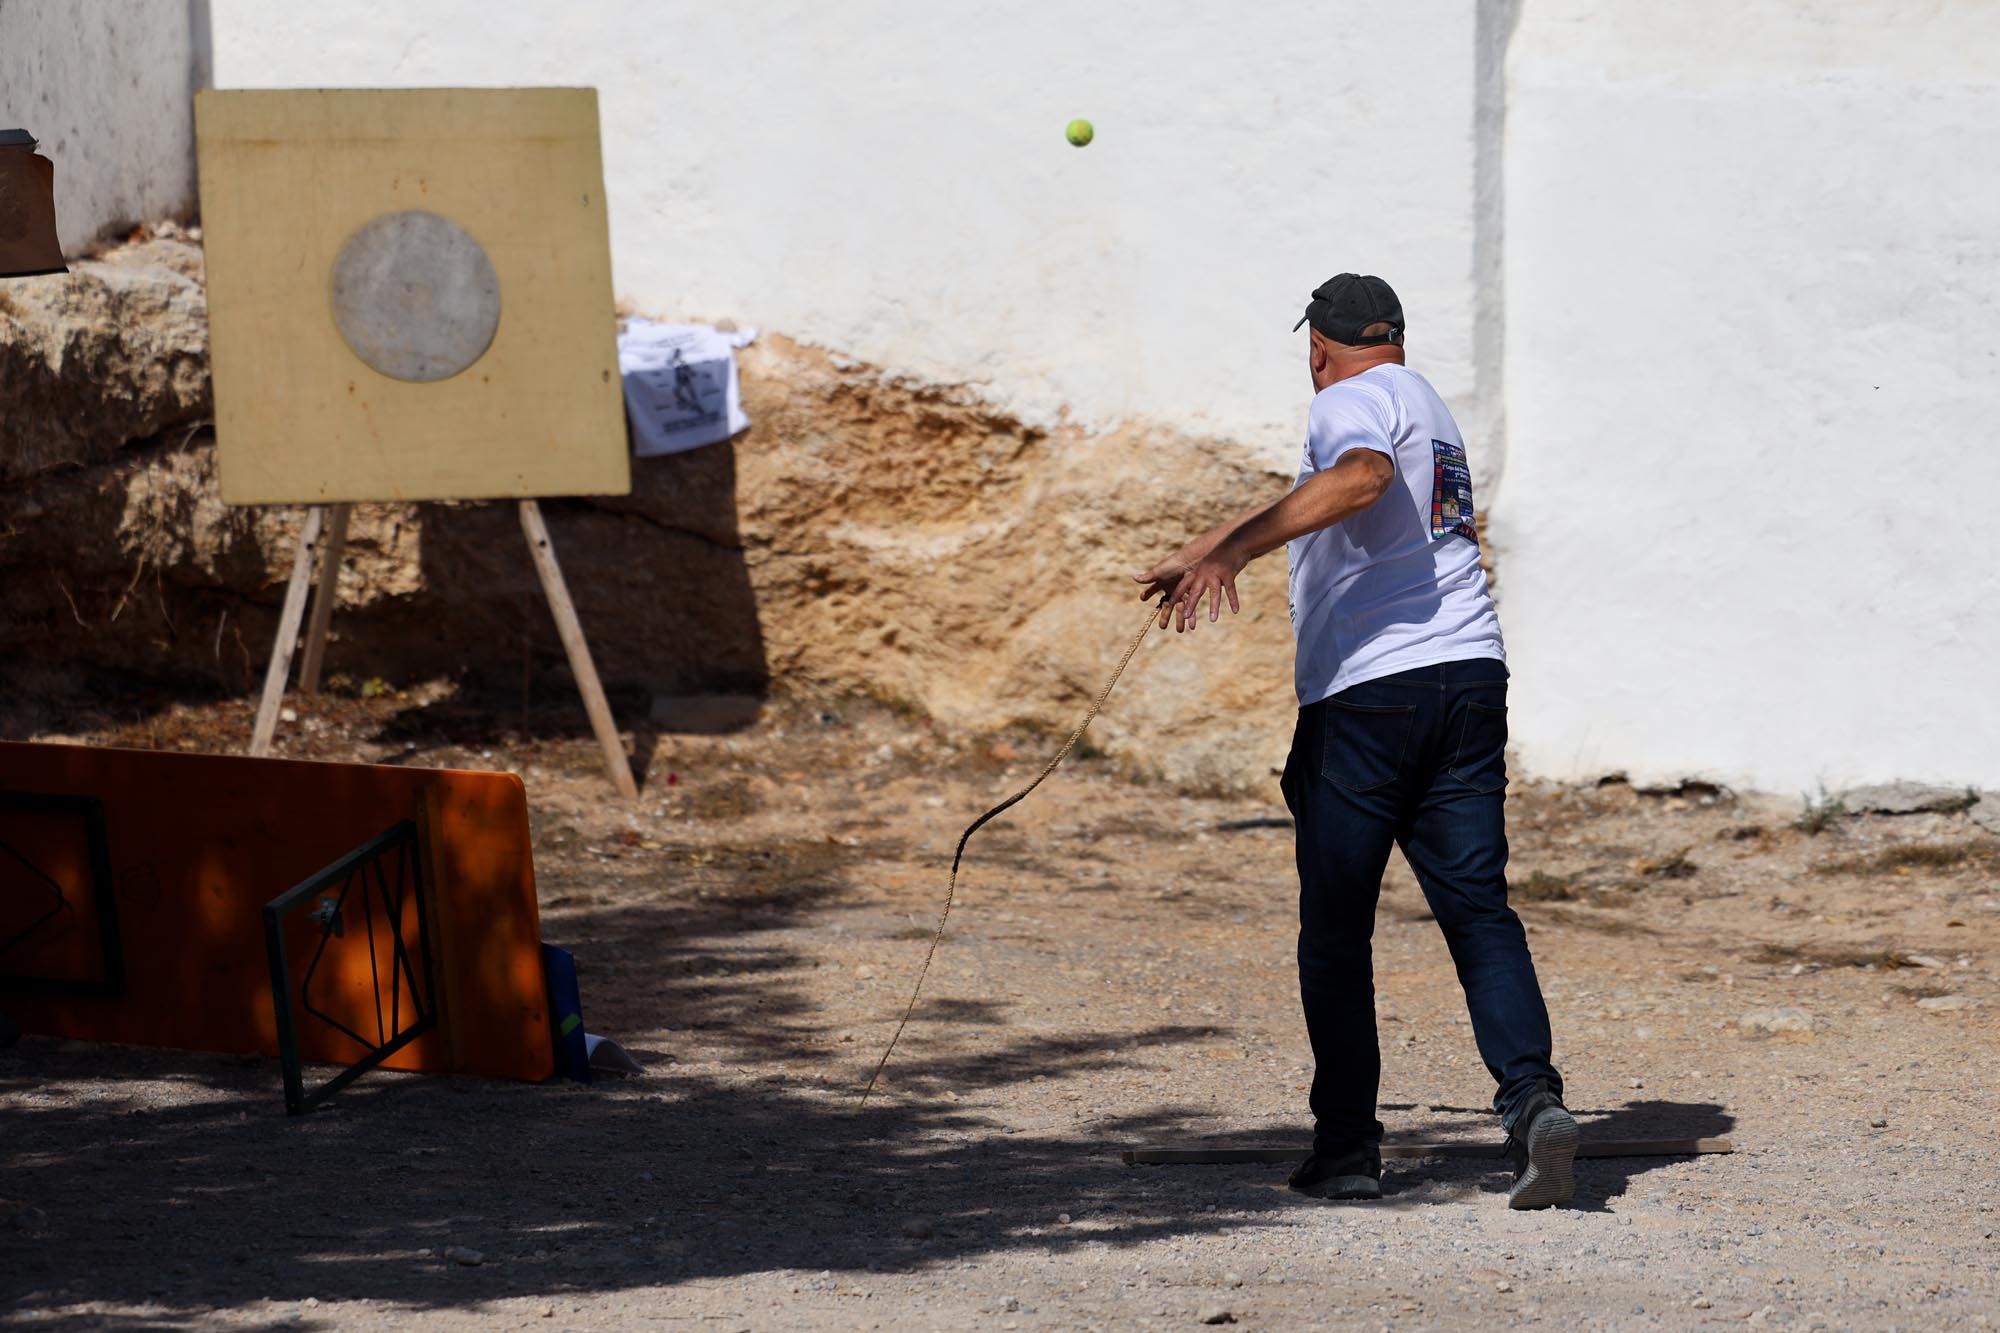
(566, 1014)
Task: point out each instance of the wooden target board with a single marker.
(409, 295)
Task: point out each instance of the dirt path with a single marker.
(1117, 973)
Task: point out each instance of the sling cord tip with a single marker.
(951, 886)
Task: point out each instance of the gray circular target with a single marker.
(415, 296)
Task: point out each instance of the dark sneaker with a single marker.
(1542, 1148)
(1357, 1175)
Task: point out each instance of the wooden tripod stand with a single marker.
(326, 526)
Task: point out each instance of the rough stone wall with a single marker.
(115, 351)
(867, 534)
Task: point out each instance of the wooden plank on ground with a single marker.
(1207, 1156)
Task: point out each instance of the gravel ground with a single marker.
(1117, 972)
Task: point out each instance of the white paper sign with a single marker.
(681, 389)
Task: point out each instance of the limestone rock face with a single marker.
(904, 541)
(114, 351)
(867, 534)
(1905, 798)
(1986, 812)
(930, 551)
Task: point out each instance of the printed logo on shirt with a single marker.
(1451, 493)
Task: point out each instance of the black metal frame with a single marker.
(365, 865)
(110, 947)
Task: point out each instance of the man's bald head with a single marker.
(1331, 362)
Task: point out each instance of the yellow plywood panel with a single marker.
(287, 180)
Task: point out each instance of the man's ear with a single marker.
(1316, 357)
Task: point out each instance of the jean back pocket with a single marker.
(1480, 759)
(1364, 744)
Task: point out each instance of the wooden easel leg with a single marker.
(580, 665)
(324, 596)
(288, 632)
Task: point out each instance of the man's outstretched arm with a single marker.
(1208, 565)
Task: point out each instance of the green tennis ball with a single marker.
(1079, 132)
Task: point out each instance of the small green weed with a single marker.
(1819, 814)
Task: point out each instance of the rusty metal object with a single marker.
(28, 243)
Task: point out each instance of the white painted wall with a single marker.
(106, 87)
(1731, 266)
(890, 179)
(1752, 355)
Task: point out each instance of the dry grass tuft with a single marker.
(1542, 887)
(732, 798)
(1907, 857)
(1888, 960)
(1672, 866)
(1602, 923)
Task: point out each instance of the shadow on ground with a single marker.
(145, 1188)
(1431, 1179)
(1599, 1180)
(217, 1200)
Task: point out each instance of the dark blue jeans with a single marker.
(1415, 760)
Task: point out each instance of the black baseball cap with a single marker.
(1342, 306)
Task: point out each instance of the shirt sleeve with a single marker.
(1341, 422)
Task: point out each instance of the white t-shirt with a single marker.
(1397, 585)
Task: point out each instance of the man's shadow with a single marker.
(1598, 1179)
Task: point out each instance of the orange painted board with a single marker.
(198, 844)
